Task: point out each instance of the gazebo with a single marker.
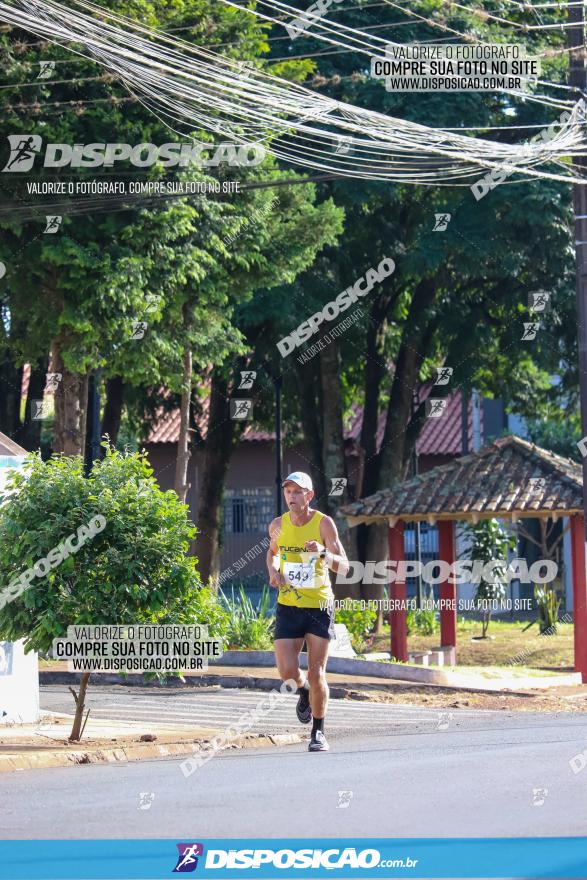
(510, 479)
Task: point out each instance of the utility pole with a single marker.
(417, 536)
(576, 43)
(576, 40)
(278, 382)
(92, 450)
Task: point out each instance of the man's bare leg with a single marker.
(317, 657)
(287, 657)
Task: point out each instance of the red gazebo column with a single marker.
(448, 616)
(397, 590)
(579, 593)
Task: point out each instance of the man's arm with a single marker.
(276, 579)
(336, 558)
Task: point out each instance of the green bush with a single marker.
(358, 623)
(421, 621)
(134, 569)
(248, 626)
(548, 604)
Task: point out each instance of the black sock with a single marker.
(317, 724)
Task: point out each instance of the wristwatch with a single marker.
(324, 554)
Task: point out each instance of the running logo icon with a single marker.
(187, 860)
(23, 150)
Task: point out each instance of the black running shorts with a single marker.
(292, 622)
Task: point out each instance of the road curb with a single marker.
(353, 690)
(404, 672)
(46, 676)
(132, 753)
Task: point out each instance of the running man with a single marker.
(307, 545)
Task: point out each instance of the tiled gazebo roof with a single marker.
(510, 478)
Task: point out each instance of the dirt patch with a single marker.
(449, 698)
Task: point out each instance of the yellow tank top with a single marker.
(308, 579)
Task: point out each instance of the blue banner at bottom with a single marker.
(553, 857)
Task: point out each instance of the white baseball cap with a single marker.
(303, 480)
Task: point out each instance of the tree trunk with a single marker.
(10, 390)
(390, 462)
(30, 434)
(113, 409)
(80, 699)
(221, 438)
(183, 446)
(71, 404)
(373, 376)
(333, 454)
(310, 391)
(333, 457)
(408, 363)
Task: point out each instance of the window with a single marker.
(248, 511)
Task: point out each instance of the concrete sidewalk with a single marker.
(267, 678)
(46, 744)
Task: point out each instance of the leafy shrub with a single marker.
(358, 623)
(248, 626)
(490, 541)
(426, 622)
(421, 621)
(135, 570)
(548, 604)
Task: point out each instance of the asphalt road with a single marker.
(220, 708)
(485, 774)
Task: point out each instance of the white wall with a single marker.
(19, 684)
(19, 673)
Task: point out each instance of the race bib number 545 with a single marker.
(299, 574)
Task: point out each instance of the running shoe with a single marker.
(303, 708)
(318, 742)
